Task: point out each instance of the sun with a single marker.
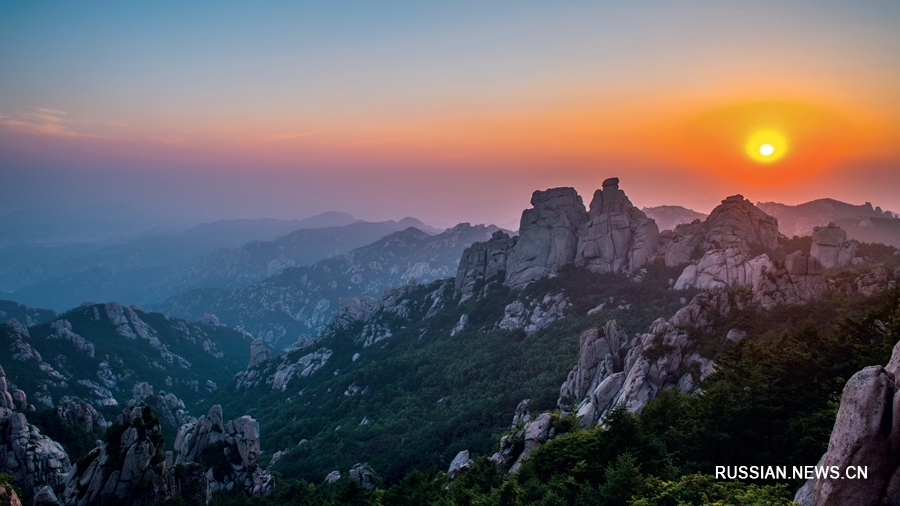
(766, 146)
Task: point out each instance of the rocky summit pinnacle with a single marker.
(613, 236)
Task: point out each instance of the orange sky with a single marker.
(330, 110)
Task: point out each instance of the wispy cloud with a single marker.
(45, 121)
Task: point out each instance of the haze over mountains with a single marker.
(209, 255)
(861, 222)
(416, 348)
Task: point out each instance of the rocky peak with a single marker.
(737, 221)
(130, 467)
(548, 236)
(617, 236)
(614, 236)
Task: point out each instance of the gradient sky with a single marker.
(448, 112)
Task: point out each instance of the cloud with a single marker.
(44, 121)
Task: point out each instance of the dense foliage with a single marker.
(416, 399)
(772, 402)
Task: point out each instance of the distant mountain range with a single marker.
(170, 265)
(669, 217)
(861, 222)
(299, 300)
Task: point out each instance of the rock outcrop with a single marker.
(32, 459)
(614, 236)
(129, 468)
(831, 247)
(229, 451)
(76, 411)
(483, 261)
(460, 462)
(534, 314)
(866, 433)
(363, 475)
(724, 267)
(797, 280)
(617, 236)
(132, 466)
(724, 240)
(167, 406)
(548, 236)
(258, 353)
(525, 437)
(613, 369)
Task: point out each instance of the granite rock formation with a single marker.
(617, 236)
(228, 450)
(32, 459)
(831, 247)
(866, 433)
(797, 280)
(460, 463)
(129, 468)
(76, 411)
(483, 261)
(534, 314)
(724, 267)
(8, 496)
(167, 406)
(614, 236)
(531, 433)
(613, 369)
(725, 241)
(548, 236)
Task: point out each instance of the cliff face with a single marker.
(866, 433)
(548, 236)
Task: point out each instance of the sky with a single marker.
(446, 111)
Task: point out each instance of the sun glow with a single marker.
(766, 146)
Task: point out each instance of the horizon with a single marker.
(444, 113)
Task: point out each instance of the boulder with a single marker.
(363, 475)
(460, 462)
(45, 497)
